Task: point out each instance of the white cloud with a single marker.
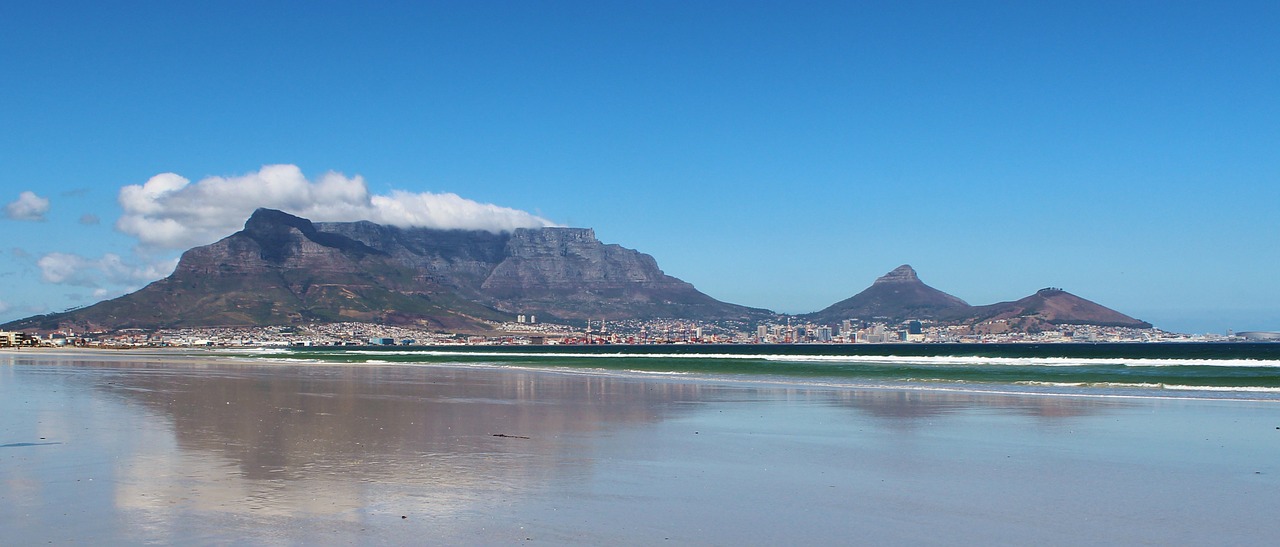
(28, 206)
(90, 219)
(170, 211)
(4, 306)
(111, 270)
(448, 211)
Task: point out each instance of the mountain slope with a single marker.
(568, 270)
(896, 296)
(1051, 307)
(283, 269)
(900, 295)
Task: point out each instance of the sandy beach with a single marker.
(109, 447)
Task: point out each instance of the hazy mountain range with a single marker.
(283, 269)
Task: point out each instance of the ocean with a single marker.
(1179, 370)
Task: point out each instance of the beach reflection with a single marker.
(190, 451)
(321, 453)
(349, 443)
(910, 405)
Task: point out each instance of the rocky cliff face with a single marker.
(271, 241)
(460, 259)
(554, 258)
(570, 269)
(283, 269)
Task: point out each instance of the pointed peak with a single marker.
(264, 218)
(903, 273)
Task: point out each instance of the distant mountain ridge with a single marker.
(284, 269)
(900, 296)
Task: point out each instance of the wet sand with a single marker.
(127, 448)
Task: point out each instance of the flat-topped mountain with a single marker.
(896, 296)
(900, 295)
(283, 269)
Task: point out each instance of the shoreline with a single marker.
(212, 357)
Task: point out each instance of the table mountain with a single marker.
(283, 269)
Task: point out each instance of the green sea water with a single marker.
(1219, 370)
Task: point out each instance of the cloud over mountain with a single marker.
(171, 212)
(28, 206)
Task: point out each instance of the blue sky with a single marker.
(774, 154)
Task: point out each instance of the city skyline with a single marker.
(1123, 152)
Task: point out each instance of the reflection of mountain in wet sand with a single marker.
(343, 440)
(340, 445)
(899, 404)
